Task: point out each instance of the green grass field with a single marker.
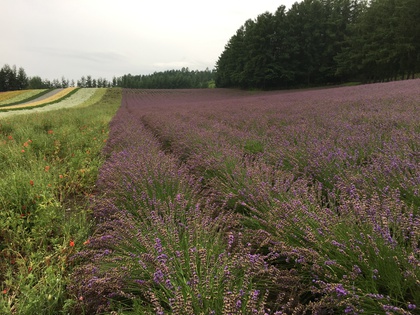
(49, 163)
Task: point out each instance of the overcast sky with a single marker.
(103, 38)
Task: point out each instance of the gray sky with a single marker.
(103, 38)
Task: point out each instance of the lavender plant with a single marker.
(160, 247)
(309, 198)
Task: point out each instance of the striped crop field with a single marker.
(5, 96)
(18, 96)
(81, 97)
(233, 202)
(56, 95)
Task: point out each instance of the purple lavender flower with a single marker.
(356, 269)
(231, 239)
(158, 245)
(411, 306)
(255, 294)
(339, 289)
(391, 308)
(158, 276)
(162, 258)
(238, 304)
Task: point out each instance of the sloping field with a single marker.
(5, 96)
(19, 96)
(48, 166)
(231, 202)
(45, 99)
(80, 98)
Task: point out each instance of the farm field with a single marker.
(79, 97)
(50, 97)
(234, 202)
(20, 96)
(48, 161)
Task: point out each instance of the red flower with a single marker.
(31, 182)
(71, 243)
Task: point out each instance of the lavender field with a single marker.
(235, 202)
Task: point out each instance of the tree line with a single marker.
(13, 79)
(320, 42)
(170, 79)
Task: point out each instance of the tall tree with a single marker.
(36, 83)
(260, 68)
(88, 81)
(324, 41)
(307, 27)
(408, 36)
(64, 82)
(22, 79)
(231, 62)
(8, 79)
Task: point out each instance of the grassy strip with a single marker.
(99, 93)
(49, 165)
(17, 99)
(52, 100)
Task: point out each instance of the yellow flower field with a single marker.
(50, 99)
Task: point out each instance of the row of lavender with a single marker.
(161, 246)
(229, 202)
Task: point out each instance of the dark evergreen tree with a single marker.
(231, 62)
(170, 79)
(36, 83)
(260, 68)
(89, 82)
(82, 82)
(22, 79)
(408, 37)
(7, 78)
(64, 82)
(320, 42)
